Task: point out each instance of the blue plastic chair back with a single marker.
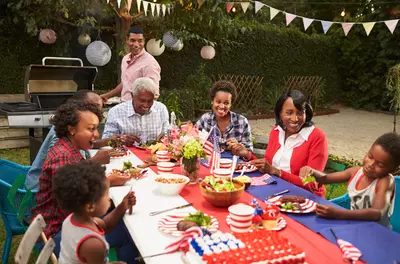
(343, 201)
(395, 219)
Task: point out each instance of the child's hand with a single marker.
(327, 211)
(129, 200)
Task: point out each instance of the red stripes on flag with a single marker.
(350, 252)
(183, 243)
(214, 162)
(208, 148)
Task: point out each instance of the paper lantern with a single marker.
(169, 39)
(178, 45)
(98, 53)
(84, 39)
(207, 52)
(153, 47)
(47, 36)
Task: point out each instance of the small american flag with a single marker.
(262, 180)
(208, 148)
(183, 243)
(350, 252)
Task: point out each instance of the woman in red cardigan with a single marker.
(295, 142)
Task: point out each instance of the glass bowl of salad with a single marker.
(221, 192)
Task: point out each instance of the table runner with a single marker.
(318, 249)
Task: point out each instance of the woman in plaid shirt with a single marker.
(233, 129)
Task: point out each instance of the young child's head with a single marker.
(82, 188)
(383, 157)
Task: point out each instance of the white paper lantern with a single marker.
(169, 40)
(98, 53)
(47, 36)
(84, 39)
(153, 47)
(207, 52)
(178, 45)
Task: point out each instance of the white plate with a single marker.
(308, 206)
(281, 223)
(168, 224)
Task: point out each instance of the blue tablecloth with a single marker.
(377, 243)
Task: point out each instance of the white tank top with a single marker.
(72, 236)
(362, 199)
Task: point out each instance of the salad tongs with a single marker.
(166, 210)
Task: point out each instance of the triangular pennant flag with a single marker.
(245, 5)
(289, 18)
(158, 6)
(129, 4)
(368, 27)
(153, 8)
(138, 5)
(326, 25)
(391, 24)
(169, 10)
(258, 5)
(163, 8)
(346, 27)
(229, 6)
(145, 6)
(272, 13)
(119, 3)
(108, 1)
(307, 22)
(200, 3)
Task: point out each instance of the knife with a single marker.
(277, 194)
(166, 210)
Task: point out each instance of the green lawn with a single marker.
(21, 156)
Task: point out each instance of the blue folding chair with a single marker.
(10, 213)
(344, 201)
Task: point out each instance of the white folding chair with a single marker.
(35, 230)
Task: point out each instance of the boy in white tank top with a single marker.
(371, 188)
(82, 189)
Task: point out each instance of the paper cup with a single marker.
(165, 167)
(225, 163)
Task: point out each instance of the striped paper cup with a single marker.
(163, 156)
(225, 163)
(165, 167)
(222, 173)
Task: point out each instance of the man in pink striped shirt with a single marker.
(138, 63)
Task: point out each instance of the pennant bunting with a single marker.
(158, 7)
(307, 22)
(346, 27)
(108, 1)
(391, 24)
(229, 6)
(326, 25)
(368, 27)
(169, 10)
(273, 12)
(138, 5)
(129, 4)
(200, 3)
(258, 6)
(119, 3)
(153, 8)
(245, 5)
(145, 6)
(289, 18)
(163, 9)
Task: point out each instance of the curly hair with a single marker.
(300, 102)
(224, 86)
(78, 184)
(390, 142)
(68, 114)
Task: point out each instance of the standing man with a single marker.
(138, 63)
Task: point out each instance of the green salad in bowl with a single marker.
(219, 184)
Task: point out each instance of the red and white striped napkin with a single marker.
(183, 243)
(262, 180)
(350, 252)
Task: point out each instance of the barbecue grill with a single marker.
(46, 87)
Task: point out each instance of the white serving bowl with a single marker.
(170, 188)
(165, 167)
(222, 173)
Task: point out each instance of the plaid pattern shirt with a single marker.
(238, 128)
(62, 153)
(122, 119)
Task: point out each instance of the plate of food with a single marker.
(249, 167)
(294, 204)
(118, 149)
(129, 170)
(177, 223)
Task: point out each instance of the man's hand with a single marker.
(102, 156)
(327, 211)
(130, 139)
(128, 201)
(104, 97)
(231, 142)
(117, 179)
(240, 150)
